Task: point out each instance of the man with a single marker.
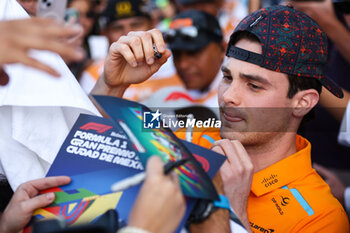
(120, 17)
(229, 13)
(196, 42)
(272, 78)
(197, 59)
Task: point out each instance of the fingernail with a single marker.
(150, 60)
(50, 196)
(133, 64)
(161, 48)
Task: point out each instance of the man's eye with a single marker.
(253, 86)
(226, 77)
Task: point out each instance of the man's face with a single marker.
(122, 27)
(199, 68)
(254, 107)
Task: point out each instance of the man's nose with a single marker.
(184, 60)
(232, 95)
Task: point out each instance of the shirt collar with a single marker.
(284, 171)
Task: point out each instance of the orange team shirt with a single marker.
(288, 196)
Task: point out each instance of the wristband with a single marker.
(222, 203)
(204, 208)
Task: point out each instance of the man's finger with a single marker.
(60, 32)
(147, 46)
(63, 49)
(135, 44)
(154, 167)
(158, 40)
(50, 182)
(26, 60)
(231, 154)
(225, 171)
(218, 149)
(32, 188)
(242, 153)
(37, 202)
(125, 51)
(160, 61)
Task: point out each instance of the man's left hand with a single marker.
(237, 175)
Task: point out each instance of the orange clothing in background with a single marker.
(289, 196)
(165, 78)
(136, 92)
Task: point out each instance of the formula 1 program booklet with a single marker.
(99, 152)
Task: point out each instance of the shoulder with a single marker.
(325, 213)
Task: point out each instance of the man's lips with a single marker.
(231, 114)
(232, 117)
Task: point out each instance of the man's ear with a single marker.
(304, 101)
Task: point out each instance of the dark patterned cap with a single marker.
(121, 9)
(291, 41)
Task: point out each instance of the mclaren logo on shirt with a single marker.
(285, 201)
(261, 229)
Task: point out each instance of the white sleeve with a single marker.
(236, 228)
(344, 132)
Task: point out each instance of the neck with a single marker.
(279, 147)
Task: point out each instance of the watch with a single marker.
(204, 208)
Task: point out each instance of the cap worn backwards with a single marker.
(291, 41)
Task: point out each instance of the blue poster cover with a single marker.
(97, 153)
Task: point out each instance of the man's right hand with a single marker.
(160, 205)
(17, 37)
(131, 61)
